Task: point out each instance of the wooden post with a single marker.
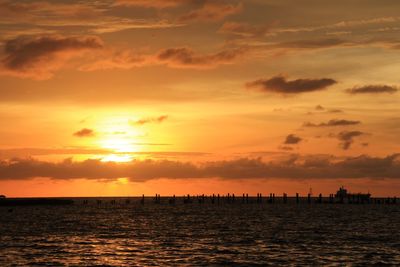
(309, 198)
(297, 198)
(218, 199)
(320, 198)
(284, 198)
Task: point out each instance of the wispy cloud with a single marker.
(212, 11)
(244, 29)
(158, 4)
(184, 57)
(159, 119)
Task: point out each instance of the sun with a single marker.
(121, 139)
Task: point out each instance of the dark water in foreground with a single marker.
(200, 234)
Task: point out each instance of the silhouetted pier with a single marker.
(35, 202)
(244, 199)
(340, 198)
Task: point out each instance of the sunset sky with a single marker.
(131, 97)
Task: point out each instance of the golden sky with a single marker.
(124, 97)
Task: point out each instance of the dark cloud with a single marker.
(372, 89)
(212, 11)
(334, 111)
(296, 167)
(319, 107)
(39, 57)
(150, 120)
(184, 57)
(332, 123)
(287, 148)
(279, 84)
(292, 139)
(85, 132)
(347, 138)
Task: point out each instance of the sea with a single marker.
(126, 232)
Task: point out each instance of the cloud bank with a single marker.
(318, 167)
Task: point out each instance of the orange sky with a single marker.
(124, 97)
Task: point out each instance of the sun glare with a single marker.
(117, 158)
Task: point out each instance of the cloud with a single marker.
(347, 138)
(372, 89)
(159, 4)
(292, 139)
(313, 44)
(85, 132)
(184, 57)
(159, 119)
(296, 167)
(211, 11)
(330, 123)
(279, 84)
(32, 152)
(124, 59)
(334, 110)
(39, 57)
(176, 57)
(243, 29)
(75, 17)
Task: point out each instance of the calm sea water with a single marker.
(131, 234)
